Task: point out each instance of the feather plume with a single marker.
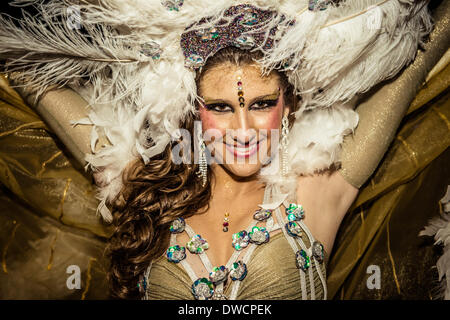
(46, 50)
(439, 228)
(137, 102)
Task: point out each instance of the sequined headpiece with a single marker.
(243, 26)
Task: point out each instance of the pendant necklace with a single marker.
(225, 223)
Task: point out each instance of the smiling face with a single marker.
(240, 109)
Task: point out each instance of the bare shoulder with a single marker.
(326, 198)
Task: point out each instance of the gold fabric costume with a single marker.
(48, 205)
(272, 274)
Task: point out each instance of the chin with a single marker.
(243, 170)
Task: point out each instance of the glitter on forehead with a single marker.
(242, 26)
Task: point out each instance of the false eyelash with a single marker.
(269, 103)
(211, 107)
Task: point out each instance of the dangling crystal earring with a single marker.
(202, 170)
(284, 144)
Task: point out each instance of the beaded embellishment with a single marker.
(219, 296)
(197, 244)
(202, 289)
(259, 235)
(176, 253)
(240, 92)
(293, 229)
(142, 284)
(295, 212)
(318, 5)
(218, 275)
(226, 221)
(208, 34)
(317, 251)
(302, 261)
(242, 26)
(172, 5)
(194, 61)
(262, 214)
(238, 271)
(244, 42)
(240, 240)
(177, 225)
(151, 49)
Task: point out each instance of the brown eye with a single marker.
(219, 107)
(265, 104)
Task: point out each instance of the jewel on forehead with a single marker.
(240, 92)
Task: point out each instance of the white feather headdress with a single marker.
(127, 62)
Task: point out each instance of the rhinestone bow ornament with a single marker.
(240, 240)
(176, 253)
(197, 244)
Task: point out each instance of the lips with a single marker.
(243, 151)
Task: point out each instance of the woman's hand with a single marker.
(326, 199)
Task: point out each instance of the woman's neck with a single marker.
(225, 183)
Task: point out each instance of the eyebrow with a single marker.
(273, 96)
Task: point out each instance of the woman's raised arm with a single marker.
(58, 107)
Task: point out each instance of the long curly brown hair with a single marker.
(155, 194)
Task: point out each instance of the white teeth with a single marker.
(245, 149)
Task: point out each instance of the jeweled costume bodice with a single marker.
(274, 269)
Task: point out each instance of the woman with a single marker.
(233, 193)
(234, 94)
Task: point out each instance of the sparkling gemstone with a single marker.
(239, 83)
(197, 244)
(249, 19)
(225, 224)
(172, 5)
(202, 289)
(259, 235)
(242, 105)
(240, 93)
(316, 5)
(317, 251)
(219, 296)
(225, 229)
(142, 284)
(177, 225)
(218, 274)
(241, 99)
(262, 214)
(210, 34)
(293, 229)
(302, 260)
(151, 49)
(296, 210)
(238, 271)
(244, 42)
(194, 61)
(176, 253)
(240, 240)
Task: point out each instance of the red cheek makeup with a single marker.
(275, 114)
(207, 118)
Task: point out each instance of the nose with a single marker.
(243, 132)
